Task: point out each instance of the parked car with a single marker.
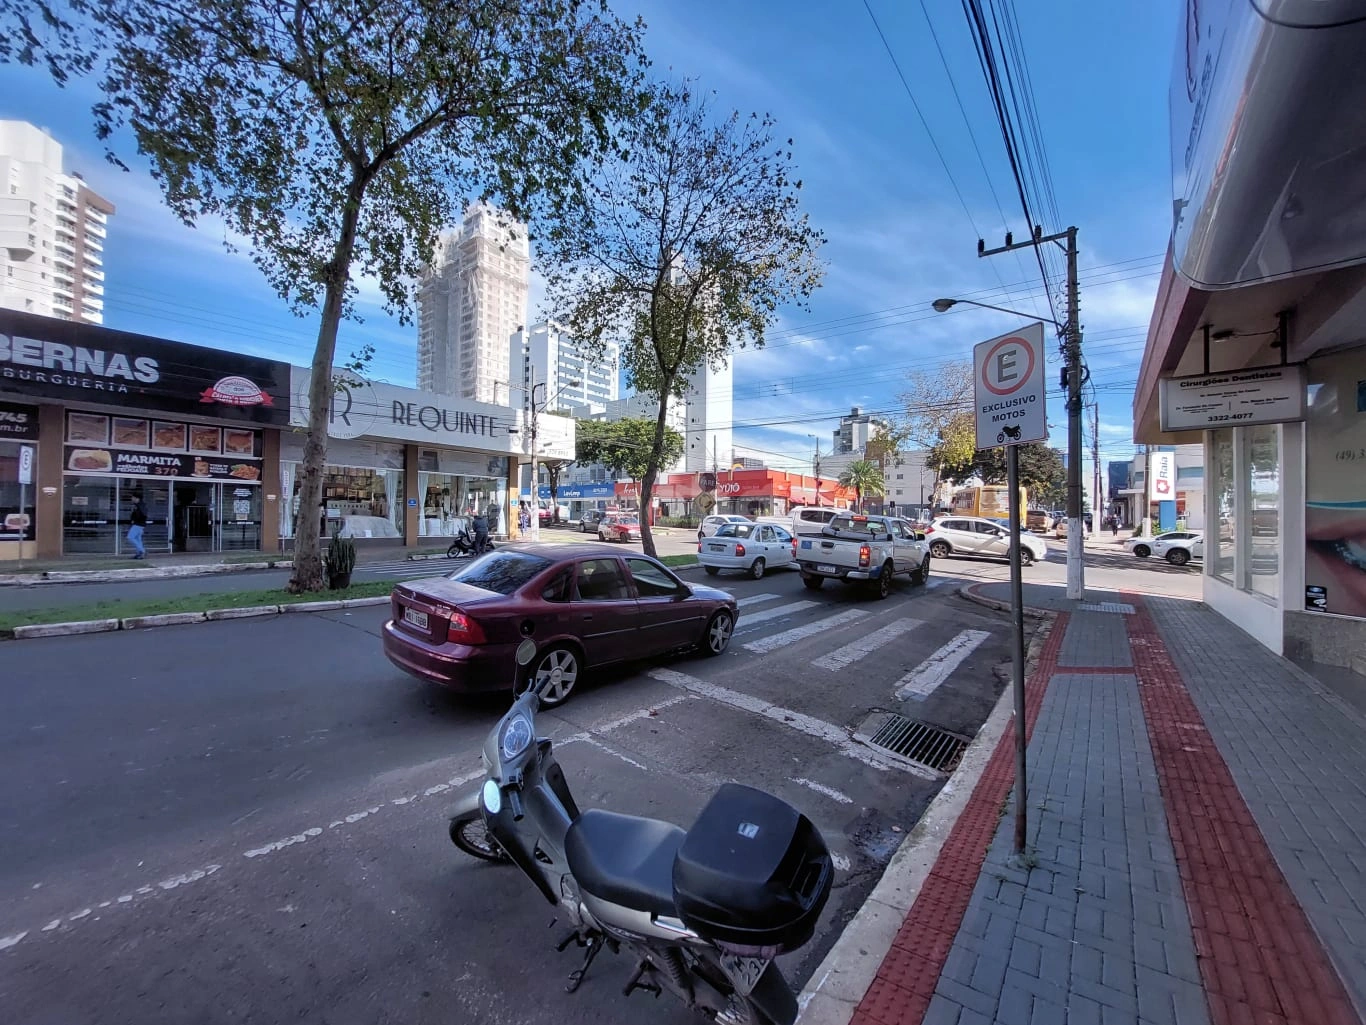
(803, 521)
(1176, 546)
(546, 513)
(873, 549)
(973, 535)
(753, 548)
(711, 524)
(619, 527)
(589, 521)
(584, 605)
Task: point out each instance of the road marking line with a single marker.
(763, 617)
(594, 742)
(625, 720)
(846, 656)
(924, 679)
(755, 599)
(782, 640)
(9, 941)
(812, 727)
(821, 788)
(840, 862)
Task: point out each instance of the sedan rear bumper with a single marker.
(460, 667)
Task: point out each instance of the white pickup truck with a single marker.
(871, 549)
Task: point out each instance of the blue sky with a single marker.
(898, 234)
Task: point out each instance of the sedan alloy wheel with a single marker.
(555, 676)
(719, 631)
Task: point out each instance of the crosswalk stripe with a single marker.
(924, 679)
(811, 726)
(846, 656)
(756, 618)
(781, 640)
(755, 599)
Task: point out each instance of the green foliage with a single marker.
(341, 556)
(625, 446)
(937, 415)
(952, 455)
(330, 135)
(865, 477)
(683, 249)
(1041, 471)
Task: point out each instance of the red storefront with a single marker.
(742, 492)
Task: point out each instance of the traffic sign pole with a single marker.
(1017, 653)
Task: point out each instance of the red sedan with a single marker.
(619, 527)
(584, 605)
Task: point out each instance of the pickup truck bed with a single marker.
(864, 549)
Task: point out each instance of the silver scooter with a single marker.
(703, 912)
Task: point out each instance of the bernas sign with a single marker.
(370, 409)
(61, 359)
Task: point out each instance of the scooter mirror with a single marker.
(526, 651)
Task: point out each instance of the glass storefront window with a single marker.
(16, 500)
(1220, 542)
(446, 500)
(1263, 502)
(360, 502)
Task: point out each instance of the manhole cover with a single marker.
(921, 744)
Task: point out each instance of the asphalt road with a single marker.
(244, 821)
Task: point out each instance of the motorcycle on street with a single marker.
(703, 912)
(465, 544)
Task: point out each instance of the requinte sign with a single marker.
(1008, 389)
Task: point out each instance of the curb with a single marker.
(837, 987)
(93, 626)
(967, 591)
(108, 576)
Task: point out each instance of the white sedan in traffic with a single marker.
(753, 548)
(711, 524)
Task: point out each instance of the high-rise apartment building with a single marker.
(854, 433)
(575, 379)
(52, 230)
(710, 409)
(472, 298)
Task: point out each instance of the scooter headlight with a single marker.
(517, 737)
(493, 797)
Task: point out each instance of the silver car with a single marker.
(973, 535)
(752, 548)
(713, 523)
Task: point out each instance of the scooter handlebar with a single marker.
(515, 803)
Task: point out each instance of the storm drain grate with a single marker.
(920, 743)
(1123, 608)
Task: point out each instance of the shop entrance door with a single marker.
(239, 518)
(156, 502)
(195, 504)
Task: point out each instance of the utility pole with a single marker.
(1072, 379)
(1097, 507)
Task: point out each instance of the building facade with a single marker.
(853, 433)
(52, 230)
(708, 399)
(1256, 348)
(574, 378)
(471, 299)
(93, 421)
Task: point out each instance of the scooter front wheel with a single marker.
(469, 833)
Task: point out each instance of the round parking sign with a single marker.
(1008, 388)
(1008, 366)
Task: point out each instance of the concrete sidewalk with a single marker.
(1196, 807)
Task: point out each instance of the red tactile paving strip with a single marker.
(905, 982)
(1260, 959)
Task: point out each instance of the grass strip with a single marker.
(127, 608)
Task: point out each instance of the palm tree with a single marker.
(865, 477)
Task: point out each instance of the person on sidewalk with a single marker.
(480, 522)
(137, 519)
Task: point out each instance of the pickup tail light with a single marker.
(739, 549)
(928, 531)
(699, 546)
(865, 555)
(794, 546)
(464, 630)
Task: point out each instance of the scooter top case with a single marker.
(752, 874)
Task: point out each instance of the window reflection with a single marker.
(1221, 532)
(1263, 504)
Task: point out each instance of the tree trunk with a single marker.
(647, 483)
(308, 561)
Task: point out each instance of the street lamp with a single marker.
(944, 305)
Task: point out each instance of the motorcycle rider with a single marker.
(480, 522)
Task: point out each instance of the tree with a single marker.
(625, 446)
(938, 416)
(334, 134)
(1042, 471)
(683, 249)
(865, 477)
(553, 469)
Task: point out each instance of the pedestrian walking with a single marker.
(480, 522)
(523, 517)
(137, 520)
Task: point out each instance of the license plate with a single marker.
(415, 618)
(716, 548)
(820, 568)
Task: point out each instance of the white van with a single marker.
(804, 520)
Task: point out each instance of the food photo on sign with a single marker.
(1335, 487)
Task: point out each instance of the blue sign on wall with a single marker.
(568, 492)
